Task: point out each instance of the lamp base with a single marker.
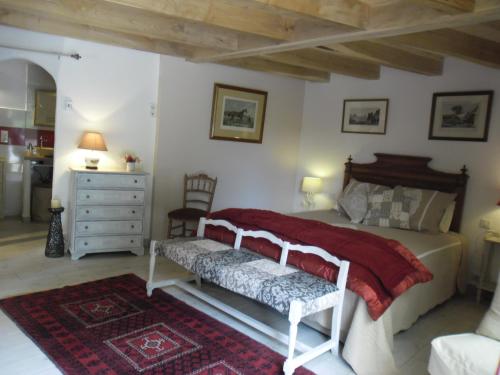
(309, 201)
(91, 162)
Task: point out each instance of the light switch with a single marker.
(68, 104)
(4, 136)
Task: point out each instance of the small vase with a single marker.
(130, 166)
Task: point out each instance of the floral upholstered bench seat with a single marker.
(250, 274)
(284, 288)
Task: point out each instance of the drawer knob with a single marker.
(88, 179)
(85, 243)
(135, 181)
(132, 226)
(131, 241)
(86, 227)
(135, 196)
(133, 211)
(88, 196)
(87, 211)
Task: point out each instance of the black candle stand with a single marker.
(55, 238)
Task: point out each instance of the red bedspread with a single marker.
(381, 269)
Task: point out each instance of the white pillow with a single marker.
(490, 325)
(445, 223)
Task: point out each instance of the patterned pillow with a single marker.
(388, 209)
(354, 200)
(427, 208)
(355, 205)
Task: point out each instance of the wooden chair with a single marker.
(199, 190)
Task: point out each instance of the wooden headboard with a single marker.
(412, 171)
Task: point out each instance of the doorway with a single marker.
(27, 124)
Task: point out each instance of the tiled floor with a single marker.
(25, 269)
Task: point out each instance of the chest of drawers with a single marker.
(106, 212)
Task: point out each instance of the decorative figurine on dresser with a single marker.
(106, 212)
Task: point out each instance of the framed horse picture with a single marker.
(238, 114)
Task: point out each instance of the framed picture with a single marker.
(238, 114)
(45, 108)
(367, 116)
(461, 116)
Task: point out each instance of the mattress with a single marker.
(367, 343)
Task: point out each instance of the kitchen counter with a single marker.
(34, 157)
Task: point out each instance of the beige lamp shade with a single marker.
(312, 185)
(93, 141)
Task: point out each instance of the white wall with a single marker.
(324, 149)
(249, 175)
(111, 90)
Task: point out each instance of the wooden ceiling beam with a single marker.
(447, 6)
(453, 43)
(391, 56)
(228, 14)
(72, 30)
(490, 30)
(488, 11)
(325, 61)
(346, 12)
(119, 19)
(412, 13)
(262, 65)
(242, 16)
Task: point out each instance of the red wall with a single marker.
(22, 136)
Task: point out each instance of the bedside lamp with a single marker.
(311, 186)
(95, 142)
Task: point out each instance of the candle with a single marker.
(55, 203)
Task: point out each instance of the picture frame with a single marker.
(365, 116)
(461, 116)
(238, 114)
(45, 108)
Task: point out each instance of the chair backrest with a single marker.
(199, 190)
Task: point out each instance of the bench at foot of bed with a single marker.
(286, 289)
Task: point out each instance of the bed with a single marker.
(368, 344)
(409, 271)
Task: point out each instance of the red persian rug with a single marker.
(110, 327)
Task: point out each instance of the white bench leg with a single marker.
(335, 330)
(152, 261)
(294, 318)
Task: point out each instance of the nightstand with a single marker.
(492, 241)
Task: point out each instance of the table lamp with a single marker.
(95, 142)
(311, 186)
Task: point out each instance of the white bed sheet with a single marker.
(368, 344)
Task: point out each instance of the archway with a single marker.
(27, 124)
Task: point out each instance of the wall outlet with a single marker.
(484, 223)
